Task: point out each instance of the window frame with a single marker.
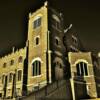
(10, 77)
(19, 76)
(74, 39)
(34, 42)
(37, 22)
(36, 68)
(82, 70)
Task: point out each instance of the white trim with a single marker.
(55, 17)
(37, 76)
(21, 75)
(37, 58)
(37, 17)
(80, 82)
(73, 48)
(81, 60)
(99, 54)
(85, 76)
(43, 82)
(13, 72)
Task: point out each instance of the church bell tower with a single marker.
(38, 66)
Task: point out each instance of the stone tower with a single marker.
(37, 51)
(46, 52)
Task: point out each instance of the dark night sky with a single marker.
(83, 14)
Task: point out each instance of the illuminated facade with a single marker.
(11, 74)
(49, 55)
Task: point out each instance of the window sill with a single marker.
(37, 76)
(85, 76)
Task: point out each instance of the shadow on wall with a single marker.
(81, 89)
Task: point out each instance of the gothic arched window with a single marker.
(36, 68)
(82, 69)
(20, 59)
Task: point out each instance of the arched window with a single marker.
(37, 40)
(37, 23)
(36, 68)
(20, 59)
(57, 40)
(85, 69)
(4, 65)
(11, 62)
(56, 22)
(82, 69)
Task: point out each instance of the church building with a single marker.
(51, 53)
